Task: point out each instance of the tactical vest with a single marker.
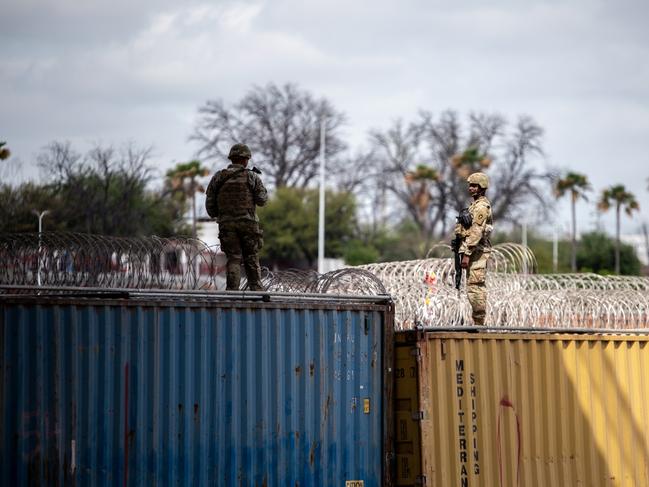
(235, 198)
(485, 241)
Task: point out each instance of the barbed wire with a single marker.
(84, 260)
(63, 259)
(423, 290)
(425, 295)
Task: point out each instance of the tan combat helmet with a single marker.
(480, 179)
(240, 150)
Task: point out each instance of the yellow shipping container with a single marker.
(520, 409)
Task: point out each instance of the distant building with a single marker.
(207, 230)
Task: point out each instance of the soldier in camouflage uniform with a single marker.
(232, 196)
(476, 246)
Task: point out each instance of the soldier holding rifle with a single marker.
(472, 246)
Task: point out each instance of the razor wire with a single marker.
(425, 295)
(84, 260)
(65, 259)
(423, 290)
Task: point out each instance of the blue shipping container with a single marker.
(195, 389)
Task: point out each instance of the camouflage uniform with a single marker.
(231, 198)
(477, 246)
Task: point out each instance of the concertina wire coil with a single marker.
(423, 290)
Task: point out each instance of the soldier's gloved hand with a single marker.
(465, 262)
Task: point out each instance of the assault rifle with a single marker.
(464, 219)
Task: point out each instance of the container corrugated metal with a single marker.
(522, 409)
(194, 392)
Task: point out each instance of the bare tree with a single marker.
(517, 183)
(282, 127)
(104, 189)
(60, 162)
(398, 150)
(425, 164)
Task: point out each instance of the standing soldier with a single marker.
(232, 195)
(476, 246)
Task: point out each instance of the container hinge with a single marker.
(420, 480)
(417, 415)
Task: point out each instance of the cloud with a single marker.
(139, 70)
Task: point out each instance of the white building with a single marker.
(207, 230)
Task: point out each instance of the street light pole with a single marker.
(321, 206)
(40, 216)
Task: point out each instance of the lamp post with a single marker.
(321, 205)
(40, 215)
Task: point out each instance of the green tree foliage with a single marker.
(357, 253)
(290, 224)
(617, 196)
(102, 192)
(385, 244)
(576, 185)
(17, 204)
(542, 249)
(597, 253)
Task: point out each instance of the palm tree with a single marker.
(4, 151)
(183, 179)
(577, 185)
(470, 161)
(622, 199)
(418, 182)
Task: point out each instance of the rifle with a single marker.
(464, 219)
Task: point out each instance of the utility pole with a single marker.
(321, 206)
(40, 215)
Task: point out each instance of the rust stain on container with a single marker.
(326, 408)
(312, 453)
(114, 390)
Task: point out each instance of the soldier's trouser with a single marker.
(242, 241)
(475, 286)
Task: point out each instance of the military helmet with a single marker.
(239, 150)
(480, 179)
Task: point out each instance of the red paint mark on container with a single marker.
(506, 403)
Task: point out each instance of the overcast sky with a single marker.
(92, 71)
